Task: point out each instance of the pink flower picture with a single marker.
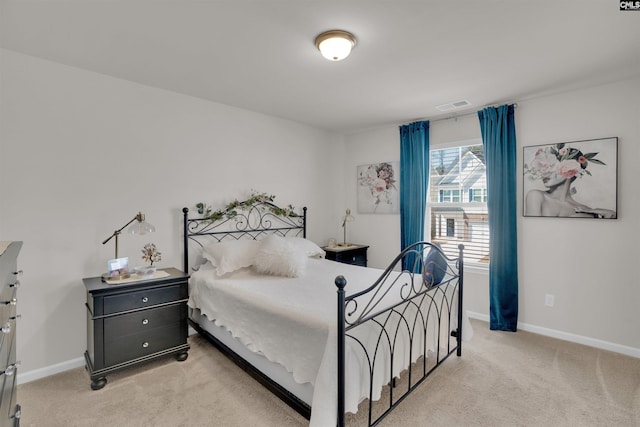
(378, 188)
(573, 179)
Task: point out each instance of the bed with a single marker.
(328, 338)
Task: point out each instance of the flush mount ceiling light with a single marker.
(335, 44)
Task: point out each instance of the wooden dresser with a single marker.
(9, 408)
(135, 322)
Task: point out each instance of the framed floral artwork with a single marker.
(575, 179)
(378, 188)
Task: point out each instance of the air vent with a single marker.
(453, 105)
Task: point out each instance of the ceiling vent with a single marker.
(453, 105)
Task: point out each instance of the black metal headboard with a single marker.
(251, 219)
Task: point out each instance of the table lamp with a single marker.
(140, 227)
(347, 218)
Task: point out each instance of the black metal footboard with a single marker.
(405, 325)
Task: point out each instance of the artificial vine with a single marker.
(231, 210)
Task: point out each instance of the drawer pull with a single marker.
(145, 321)
(19, 272)
(145, 344)
(6, 328)
(14, 284)
(13, 301)
(145, 299)
(11, 369)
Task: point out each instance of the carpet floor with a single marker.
(502, 379)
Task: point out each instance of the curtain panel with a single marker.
(498, 129)
(414, 183)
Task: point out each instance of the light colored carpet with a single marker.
(502, 379)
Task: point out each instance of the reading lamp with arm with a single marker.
(141, 227)
(347, 218)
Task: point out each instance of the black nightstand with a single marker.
(352, 254)
(135, 322)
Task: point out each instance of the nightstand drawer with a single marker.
(143, 321)
(354, 254)
(355, 258)
(144, 298)
(128, 348)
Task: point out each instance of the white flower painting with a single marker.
(378, 188)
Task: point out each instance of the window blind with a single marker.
(457, 206)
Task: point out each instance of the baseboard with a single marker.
(36, 374)
(566, 336)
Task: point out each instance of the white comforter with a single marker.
(292, 321)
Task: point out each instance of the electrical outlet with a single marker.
(549, 300)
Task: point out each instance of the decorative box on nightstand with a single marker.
(351, 254)
(134, 322)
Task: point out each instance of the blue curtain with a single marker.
(414, 182)
(499, 141)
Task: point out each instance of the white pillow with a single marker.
(307, 246)
(279, 257)
(231, 255)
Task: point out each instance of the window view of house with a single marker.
(458, 202)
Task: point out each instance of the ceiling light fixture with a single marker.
(335, 44)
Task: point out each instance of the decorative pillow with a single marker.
(231, 255)
(279, 257)
(435, 267)
(306, 246)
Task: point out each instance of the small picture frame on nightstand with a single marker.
(117, 268)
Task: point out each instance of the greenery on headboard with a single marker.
(231, 210)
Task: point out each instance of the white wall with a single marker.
(588, 265)
(81, 153)
(380, 231)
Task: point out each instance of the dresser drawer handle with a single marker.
(13, 301)
(145, 344)
(17, 272)
(145, 299)
(11, 369)
(6, 328)
(145, 321)
(14, 284)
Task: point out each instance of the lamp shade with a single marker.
(335, 45)
(141, 226)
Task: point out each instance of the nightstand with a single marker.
(352, 254)
(135, 322)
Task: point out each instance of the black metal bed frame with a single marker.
(252, 222)
(418, 302)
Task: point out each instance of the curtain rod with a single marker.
(457, 116)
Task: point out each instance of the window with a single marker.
(457, 207)
(449, 196)
(451, 227)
